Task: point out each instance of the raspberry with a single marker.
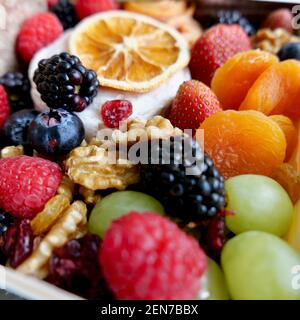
(26, 184)
(18, 242)
(113, 112)
(4, 106)
(51, 3)
(146, 256)
(37, 32)
(85, 8)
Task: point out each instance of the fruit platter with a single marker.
(149, 150)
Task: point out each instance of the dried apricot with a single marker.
(289, 179)
(233, 80)
(242, 142)
(290, 132)
(276, 91)
(295, 158)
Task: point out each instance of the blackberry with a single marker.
(65, 11)
(233, 17)
(64, 82)
(17, 86)
(184, 179)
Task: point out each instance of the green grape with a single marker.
(259, 203)
(116, 205)
(213, 286)
(259, 266)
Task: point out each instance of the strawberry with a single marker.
(193, 103)
(85, 8)
(4, 106)
(214, 48)
(281, 18)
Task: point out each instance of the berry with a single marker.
(64, 82)
(36, 33)
(75, 268)
(233, 17)
(4, 106)
(18, 242)
(65, 11)
(193, 103)
(85, 8)
(116, 111)
(56, 132)
(51, 3)
(6, 220)
(214, 48)
(26, 184)
(290, 51)
(183, 179)
(16, 126)
(281, 18)
(145, 256)
(17, 86)
(216, 237)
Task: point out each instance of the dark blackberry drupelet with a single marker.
(65, 11)
(17, 86)
(64, 82)
(188, 185)
(233, 17)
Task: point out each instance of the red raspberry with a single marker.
(214, 48)
(4, 106)
(26, 184)
(146, 256)
(115, 111)
(51, 3)
(85, 8)
(36, 33)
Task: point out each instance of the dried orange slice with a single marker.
(129, 51)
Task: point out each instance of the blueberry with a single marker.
(290, 51)
(16, 126)
(56, 132)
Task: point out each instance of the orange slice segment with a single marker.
(129, 51)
